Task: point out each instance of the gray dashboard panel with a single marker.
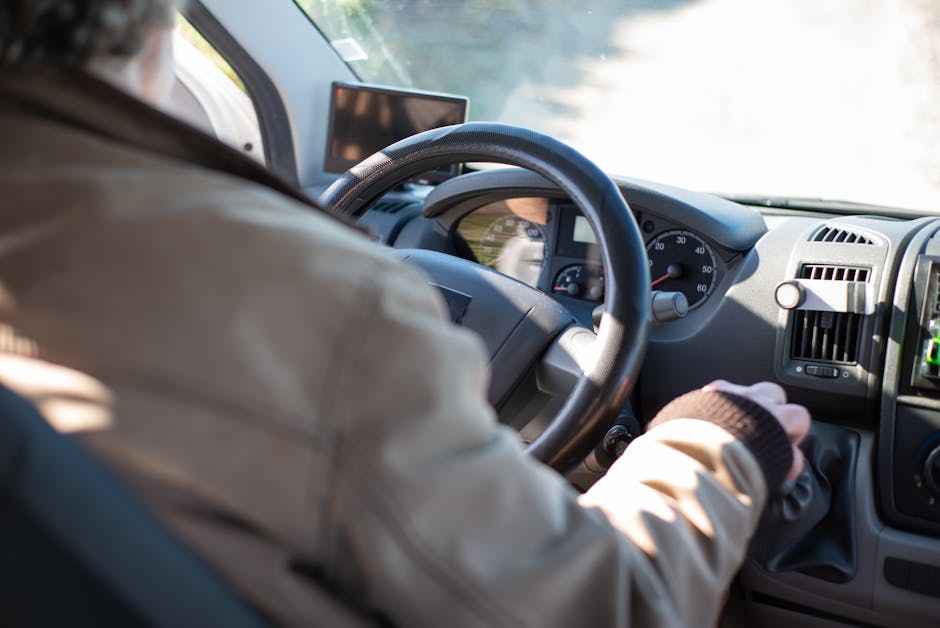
(728, 338)
(729, 224)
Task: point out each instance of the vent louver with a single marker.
(827, 336)
(390, 207)
(833, 273)
(843, 236)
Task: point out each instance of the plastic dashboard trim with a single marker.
(728, 224)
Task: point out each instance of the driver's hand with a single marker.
(793, 417)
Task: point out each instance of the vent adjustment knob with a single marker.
(790, 295)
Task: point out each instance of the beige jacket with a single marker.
(287, 397)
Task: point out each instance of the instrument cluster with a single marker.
(547, 243)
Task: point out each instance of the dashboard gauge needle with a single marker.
(660, 280)
(673, 271)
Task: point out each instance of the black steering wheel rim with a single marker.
(604, 389)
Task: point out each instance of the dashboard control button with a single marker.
(930, 354)
(789, 295)
(912, 575)
(897, 571)
(668, 306)
(932, 471)
(821, 371)
(920, 578)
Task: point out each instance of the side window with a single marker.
(210, 95)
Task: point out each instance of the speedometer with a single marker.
(680, 261)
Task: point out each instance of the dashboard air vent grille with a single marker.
(390, 206)
(828, 336)
(834, 273)
(844, 236)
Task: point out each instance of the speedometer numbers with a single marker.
(681, 261)
(506, 234)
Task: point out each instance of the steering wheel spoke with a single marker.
(571, 355)
(597, 394)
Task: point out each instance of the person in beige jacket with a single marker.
(291, 400)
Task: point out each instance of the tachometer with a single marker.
(508, 236)
(680, 261)
(513, 246)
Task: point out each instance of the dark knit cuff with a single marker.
(746, 420)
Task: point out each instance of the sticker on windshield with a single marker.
(349, 49)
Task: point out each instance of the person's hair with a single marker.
(71, 32)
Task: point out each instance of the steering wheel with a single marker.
(520, 325)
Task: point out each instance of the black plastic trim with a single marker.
(893, 392)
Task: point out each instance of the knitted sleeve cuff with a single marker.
(746, 420)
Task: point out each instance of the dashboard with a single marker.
(519, 225)
(842, 310)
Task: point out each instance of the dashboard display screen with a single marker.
(575, 237)
(365, 119)
(583, 232)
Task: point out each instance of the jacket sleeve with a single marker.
(437, 517)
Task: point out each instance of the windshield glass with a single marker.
(835, 99)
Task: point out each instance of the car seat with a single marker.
(79, 550)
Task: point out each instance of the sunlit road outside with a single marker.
(827, 98)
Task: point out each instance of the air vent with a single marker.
(828, 336)
(843, 236)
(834, 273)
(391, 206)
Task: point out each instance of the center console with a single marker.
(869, 561)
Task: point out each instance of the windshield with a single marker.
(832, 99)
